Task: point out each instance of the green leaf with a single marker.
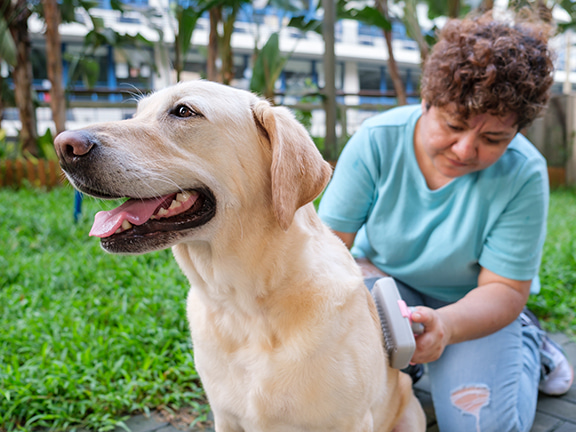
(117, 5)
(7, 45)
(90, 70)
(67, 10)
(294, 6)
(437, 8)
(267, 67)
(97, 23)
(368, 15)
(187, 18)
(46, 146)
(301, 23)
(570, 7)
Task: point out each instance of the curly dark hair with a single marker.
(481, 65)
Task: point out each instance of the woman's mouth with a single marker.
(456, 163)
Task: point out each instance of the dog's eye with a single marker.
(183, 111)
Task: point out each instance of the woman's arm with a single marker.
(347, 238)
(368, 269)
(495, 303)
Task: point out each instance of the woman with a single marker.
(449, 199)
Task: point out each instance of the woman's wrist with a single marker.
(368, 269)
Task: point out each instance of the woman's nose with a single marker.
(466, 146)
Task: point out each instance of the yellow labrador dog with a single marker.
(286, 337)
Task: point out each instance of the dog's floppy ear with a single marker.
(298, 172)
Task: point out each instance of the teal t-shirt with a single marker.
(437, 240)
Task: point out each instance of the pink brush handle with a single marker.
(417, 328)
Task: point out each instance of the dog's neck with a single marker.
(248, 267)
(252, 290)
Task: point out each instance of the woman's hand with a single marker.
(494, 304)
(430, 344)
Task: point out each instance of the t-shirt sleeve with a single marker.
(513, 247)
(349, 196)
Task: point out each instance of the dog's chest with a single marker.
(240, 377)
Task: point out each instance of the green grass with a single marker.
(556, 303)
(87, 337)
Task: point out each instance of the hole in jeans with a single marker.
(470, 400)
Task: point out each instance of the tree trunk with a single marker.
(22, 76)
(486, 5)
(227, 56)
(411, 19)
(382, 6)
(394, 74)
(54, 63)
(453, 8)
(211, 68)
(178, 63)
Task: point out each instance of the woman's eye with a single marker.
(454, 127)
(183, 111)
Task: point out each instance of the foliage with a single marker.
(368, 15)
(299, 18)
(68, 8)
(6, 93)
(186, 14)
(46, 145)
(312, 96)
(267, 67)
(10, 149)
(570, 7)
(7, 46)
(87, 337)
(186, 18)
(556, 303)
(84, 65)
(438, 8)
(269, 61)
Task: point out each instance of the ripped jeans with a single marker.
(484, 385)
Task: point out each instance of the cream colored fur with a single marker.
(286, 337)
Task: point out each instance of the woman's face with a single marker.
(453, 147)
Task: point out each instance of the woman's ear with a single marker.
(425, 106)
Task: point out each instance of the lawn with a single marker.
(87, 337)
(556, 303)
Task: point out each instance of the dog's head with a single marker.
(193, 155)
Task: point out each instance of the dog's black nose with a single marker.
(72, 145)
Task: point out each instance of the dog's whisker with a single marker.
(137, 95)
(160, 178)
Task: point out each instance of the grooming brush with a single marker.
(396, 321)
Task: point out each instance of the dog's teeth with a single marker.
(162, 212)
(182, 197)
(175, 204)
(118, 231)
(126, 225)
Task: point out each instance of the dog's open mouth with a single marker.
(154, 216)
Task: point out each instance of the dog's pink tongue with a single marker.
(135, 211)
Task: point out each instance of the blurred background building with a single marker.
(119, 50)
